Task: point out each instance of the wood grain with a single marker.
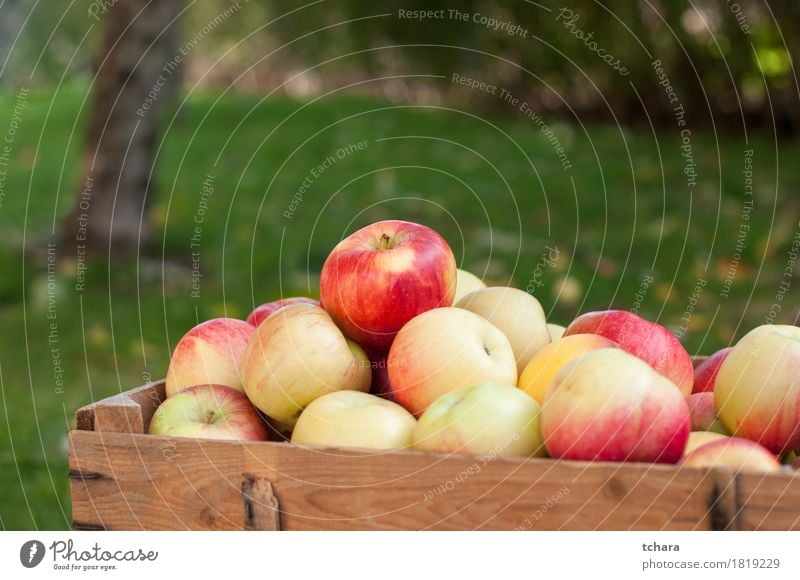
(128, 412)
(123, 479)
(130, 481)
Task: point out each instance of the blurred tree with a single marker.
(137, 70)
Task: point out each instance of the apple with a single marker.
(517, 314)
(444, 350)
(609, 405)
(758, 388)
(647, 340)
(698, 438)
(556, 331)
(705, 374)
(382, 276)
(297, 355)
(486, 419)
(354, 419)
(209, 412)
(210, 353)
(704, 413)
(260, 313)
(380, 385)
(542, 368)
(466, 282)
(733, 453)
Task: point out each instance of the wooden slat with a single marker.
(128, 412)
(122, 481)
(769, 502)
(128, 481)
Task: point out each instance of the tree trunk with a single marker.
(136, 71)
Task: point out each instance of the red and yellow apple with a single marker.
(354, 419)
(705, 374)
(209, 412)
(466, 282)
(647, 340)
(210, 353)
(542, 368)
(609, 405)
(698, 438)
(517, 314)
(382, 276)
(704, 413)
(757, 390)
(260, 313)
(487, 419)
(733, 453)
(297, 355)
(444, 350)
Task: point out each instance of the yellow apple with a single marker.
(297, 355)
(733, 453)
(757, 391)
(517, 314)
(542, 368)
(698, 438)
(466, 282)
(444, 350)
(556, 331)
(354, 419)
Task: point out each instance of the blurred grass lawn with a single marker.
(496, 189)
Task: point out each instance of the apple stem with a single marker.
(385, 243)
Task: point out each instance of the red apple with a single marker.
(647, 340)
(211, 352)
(733, 453)
(704, 413)
(382, 276)
(705, 375)
(260, 314)
(209, 412)
(608, 405)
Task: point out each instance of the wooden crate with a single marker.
(122, 478)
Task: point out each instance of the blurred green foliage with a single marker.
(729, 61)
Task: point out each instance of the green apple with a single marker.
(487, 419)
(517, 314)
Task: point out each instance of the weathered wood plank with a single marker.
(139, 481)
(128, 412)
(143, 482)
(769, 502)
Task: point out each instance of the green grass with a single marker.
(494, 188)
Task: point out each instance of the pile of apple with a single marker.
(405, 351)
